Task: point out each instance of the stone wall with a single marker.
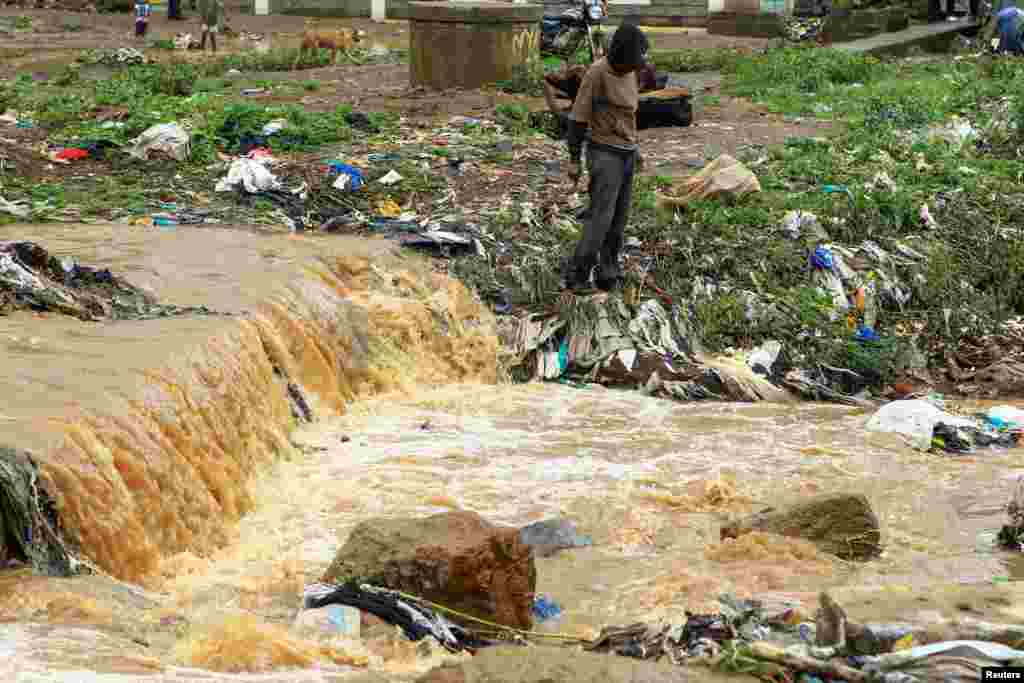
(658, 13)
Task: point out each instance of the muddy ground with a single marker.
(722, 123)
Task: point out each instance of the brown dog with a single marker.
(341, 40)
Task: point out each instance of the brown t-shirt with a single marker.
(607, 102)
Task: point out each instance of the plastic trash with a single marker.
(251, 174)
(915, 420)
(545, 609)
(725, 176)
(167, 138)
(1006, 417)
(762, 359)
(388, 209)
(391, 178)
(795, 222)
(973, 652)
(19, 207)
(71, 154)
(926, 217)
(332, 620)
(275, 126)
(822, 259)
(866, 334)
(349, 177)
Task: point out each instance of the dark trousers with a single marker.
(173, 9)
(611, 192)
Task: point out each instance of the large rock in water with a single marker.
(840, 524)
(456, 559)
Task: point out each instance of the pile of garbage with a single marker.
(32, 279)
(928, 425)
(742, 637)
(29, 525)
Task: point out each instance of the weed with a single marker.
(515, 118)
(311, 85)
(162, 44)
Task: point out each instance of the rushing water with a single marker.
(617, 463)
(647, 479)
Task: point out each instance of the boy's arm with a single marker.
(582, 112)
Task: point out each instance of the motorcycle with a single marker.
(564, 35)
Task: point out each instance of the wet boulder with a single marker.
(843, 525)
(455, 559)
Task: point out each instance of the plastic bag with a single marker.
(251, 174)
(915, 420)
(722, 177)
(168, 138)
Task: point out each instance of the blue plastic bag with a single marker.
(338, 168)
(822, 259)
(544, 608)
(866, 334)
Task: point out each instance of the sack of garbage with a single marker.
(166, 138)
(251, 174)
(722, 177)
(954, 661)
(915, 420)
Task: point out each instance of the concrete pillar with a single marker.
(470, 44)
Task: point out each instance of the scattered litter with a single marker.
(71, 154)
(388, 208)
(927, 425)
(722, 177)
(795, 222)
(762, 359)
(349, 177)
(19, 208)
(926, 217)
(166, 138)
(391, 178)
(1006, 417)
(545, 609)
(415, 620)
(275, 126)
(251, 175)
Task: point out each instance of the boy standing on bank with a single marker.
(604, 114)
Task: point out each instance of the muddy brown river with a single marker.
(643, 476)
(648, 479)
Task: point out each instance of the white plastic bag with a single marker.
(169, 138)
(251, 174)
(915, 420)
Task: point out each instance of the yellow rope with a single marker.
(500, 628)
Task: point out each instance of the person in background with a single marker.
(174, 10)
(142, 12)
(1008, 26)
(604, 113)
(211, 14)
